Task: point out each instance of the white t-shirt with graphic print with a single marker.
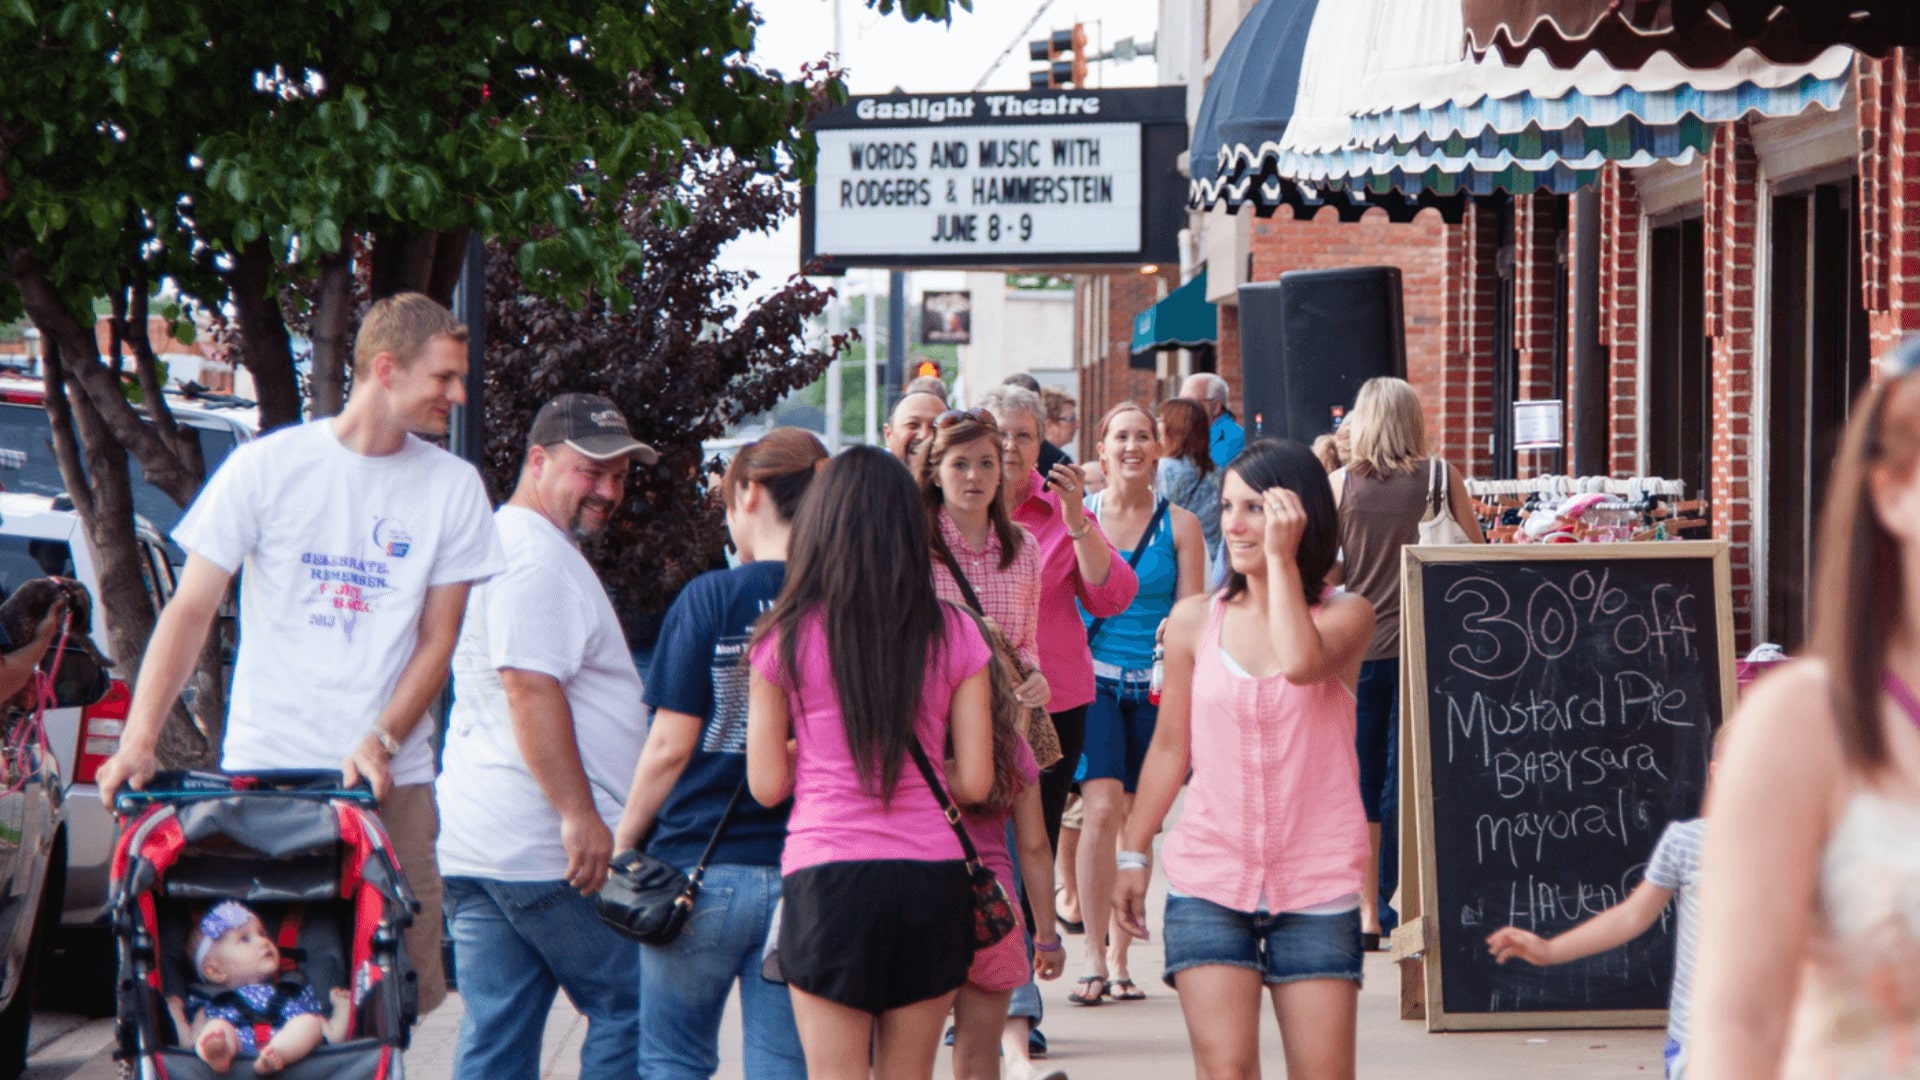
(336, 551)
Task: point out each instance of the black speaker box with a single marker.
(1309, 340)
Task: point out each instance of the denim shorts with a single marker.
(1282, 948)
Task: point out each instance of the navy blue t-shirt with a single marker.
(699, 668)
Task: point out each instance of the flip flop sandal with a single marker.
(1082, 997)
(1125, 990)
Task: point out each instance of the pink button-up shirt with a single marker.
(1064, 657)
(1011, 597)
(1273, 815)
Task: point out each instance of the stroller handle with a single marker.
(188, 784)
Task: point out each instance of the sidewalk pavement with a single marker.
(1148, 1039)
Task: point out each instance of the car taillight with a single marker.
(100, 726)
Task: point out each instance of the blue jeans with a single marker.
(517, 943)
(684, 986)
(1376, 739)
(1284, 948)
(1120, 725)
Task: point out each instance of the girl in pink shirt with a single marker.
(857, 659)
(1265, 865)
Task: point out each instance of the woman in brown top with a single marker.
(1382, 494)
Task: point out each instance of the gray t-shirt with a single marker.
(1676, 865)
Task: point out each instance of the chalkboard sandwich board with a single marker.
(1560, 701)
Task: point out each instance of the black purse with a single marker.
(649, 900)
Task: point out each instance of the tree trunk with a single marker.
(103, 498)
(332, 315)
(266, 348)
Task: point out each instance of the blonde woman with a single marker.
(1382, 493)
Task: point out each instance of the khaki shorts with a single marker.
(1075, 815)
(413, 824)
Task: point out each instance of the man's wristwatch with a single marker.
(387, 742)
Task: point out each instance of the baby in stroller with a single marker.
(245, 995)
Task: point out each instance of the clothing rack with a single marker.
(1645, 507)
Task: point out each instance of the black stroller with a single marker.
(312, 860)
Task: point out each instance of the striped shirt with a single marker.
(1676, 866)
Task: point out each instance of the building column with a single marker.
(1536, 266)
(1462, 425)
(1732, 229)
(1888, 95)
(1620, 316)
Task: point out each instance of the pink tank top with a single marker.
(1273, 810)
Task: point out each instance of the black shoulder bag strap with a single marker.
(1133, 560)
(700, 868)
(960, 579)
(940, 796)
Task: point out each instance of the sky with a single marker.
(882, 52)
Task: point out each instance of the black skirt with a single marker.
(877, 935)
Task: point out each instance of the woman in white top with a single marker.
(1809, 958)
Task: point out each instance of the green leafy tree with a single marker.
(241, 153)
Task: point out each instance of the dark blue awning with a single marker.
(1248, 102)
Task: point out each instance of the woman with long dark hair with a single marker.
(858, 662)
(693, 762)
(959, 467)
(1264, 865)
(1809, 953)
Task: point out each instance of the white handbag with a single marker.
(1439, 526)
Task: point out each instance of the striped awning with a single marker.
(1390, 101)
(1247, 106)
(1629, 33)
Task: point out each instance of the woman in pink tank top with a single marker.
(1265, 865)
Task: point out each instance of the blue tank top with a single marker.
(1126, 639)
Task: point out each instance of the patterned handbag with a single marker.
(993, 916)
(1009, 671)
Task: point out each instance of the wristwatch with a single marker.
(387, 742)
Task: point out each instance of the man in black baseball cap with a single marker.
(589, 424)
(546, 727)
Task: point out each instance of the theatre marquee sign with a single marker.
(1054, 178)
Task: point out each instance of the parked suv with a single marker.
(84, 738)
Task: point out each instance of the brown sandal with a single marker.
(1085, 997)
(1125, 990)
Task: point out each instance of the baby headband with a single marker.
(226, 915)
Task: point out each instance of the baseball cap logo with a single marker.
(608, 418)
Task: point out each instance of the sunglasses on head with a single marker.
(953, 416)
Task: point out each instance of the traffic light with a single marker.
(1064, 52)
(926, 369)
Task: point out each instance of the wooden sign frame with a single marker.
(1415, 944)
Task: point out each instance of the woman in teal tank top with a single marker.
(1168, 552)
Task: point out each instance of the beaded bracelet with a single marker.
(1046, 946)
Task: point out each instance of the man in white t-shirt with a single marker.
(360, 541)
(545, 733)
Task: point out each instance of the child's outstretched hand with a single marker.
(1513, 943)
(1049, 965)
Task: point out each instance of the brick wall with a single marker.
(1889, 118)
(1732, 229)
(1418, 248)
(1620, 316)
(1104, 307)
